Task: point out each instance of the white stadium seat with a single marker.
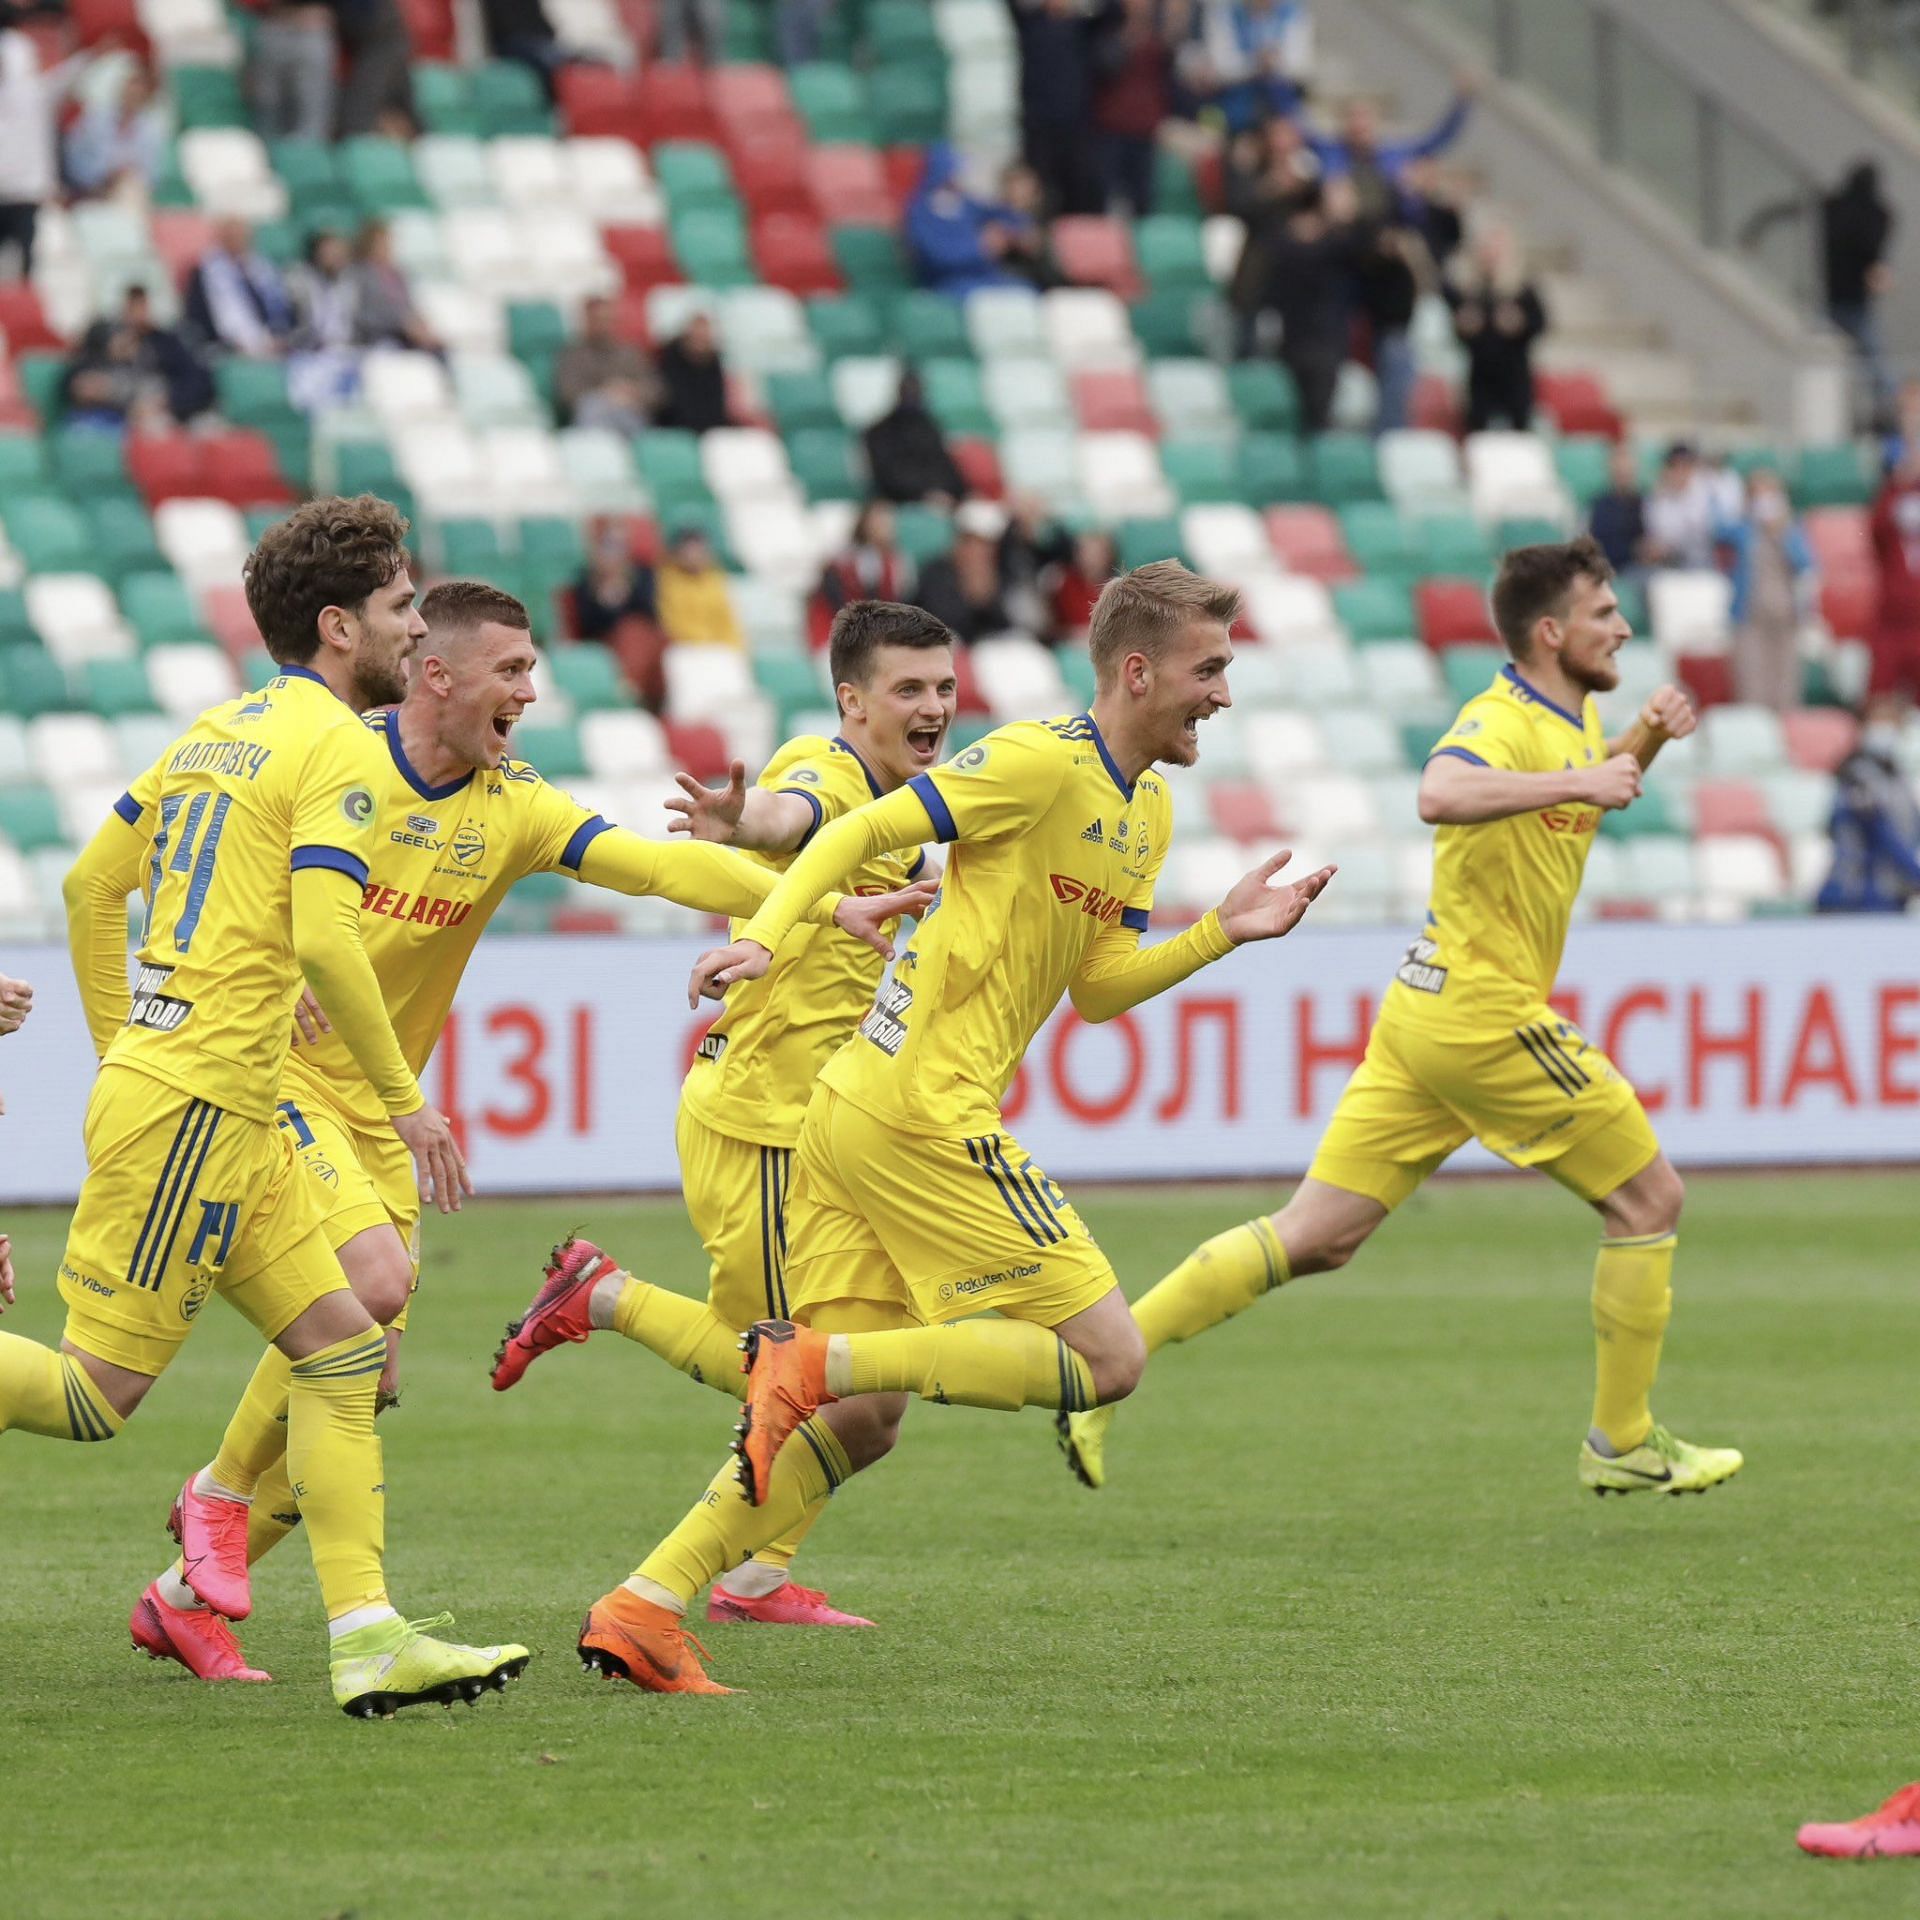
(77, 617)
(68, 748)
(745, 464)
(707, 683)
(1088, 328)
(623, 743)
(188, 678)
(1690, 609)
(1120, 476)
(205, 541)
(1019, 678)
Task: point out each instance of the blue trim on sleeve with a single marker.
(919, 865)
(819, 813)
(937, 810)
(129, 809)
(1135, 918)
(1455, 753)
(584, 835)
(334, 859)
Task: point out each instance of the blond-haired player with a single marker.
(749, 1084)
(1467, 1045)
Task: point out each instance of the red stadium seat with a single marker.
(1839, 536)
(600, 102)
(1093, 250)
(1708, 677)
(180, 237)
(16, 411)
(699, 750)
(430, 28)
(1578, 403)
(1210, 179)
(644, 256)
(1113, 401)
(850, 187)
(966, 687)
(904, 166)
(97, 20)
(979, 460)
(747, 96)
(1730, 806)
(1849, 599)
(24, 321)
(230, 622)
(1436, 405)
(1819, 738)
(1310, 541)
(674, 105)
(630, 318)
(1453, 613)
(244, 468)
(794, 253)
(1243, 810)
(168, 466)
(770, 172)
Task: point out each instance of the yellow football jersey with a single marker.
(1503, 890)
(440, 861)
(756, 1068)
(256, 789)
(1052, 845)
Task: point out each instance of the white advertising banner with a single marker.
(1763, 1042)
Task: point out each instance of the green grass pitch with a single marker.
(1343, 1636)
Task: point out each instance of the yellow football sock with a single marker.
(333, 1463)
(780, 1554)
(274, 1513)
(724, 1527)
(256, 1436)
(685, 1333)
(44, 1391)
(1632, 1302)
(977, 1363)
(1213, 1283)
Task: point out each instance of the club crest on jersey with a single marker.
(1095, 901)
(469, 846)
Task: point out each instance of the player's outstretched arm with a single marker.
(6, 1271)
(1668, 715)
(326, 942)
(95, 891)
(1455, 792)
(736, 815)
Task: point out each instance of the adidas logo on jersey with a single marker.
(1096, 833)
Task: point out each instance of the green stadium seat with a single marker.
(748, 32)
(1140, 542)
(1076, 669)
(846, 326)
(1469, 670)
(123, 541)
(551, 746)
(470, 547)
(1454, 545)
(552, 545)
(160, 610)
(310, 171)
(832, 100)
(379, 174)
(1581, 460)
(1264, 396)
(1381, 540)
(930, 326)
(279, 241)
(901, 30)
(688, 511)
(1754, 456)
(364, 466)
(1528, 532)
(170, 188)
(507, 98)
(535, 327)
(1272, 469)
(1168, 249)
(30, 818)
(693, 176)
(1171, 325)
(1416, 741)
(206, 97)
(252, 392)
(910, 103)
(42, 377)
(1175, 191)
(825, 463)
(956, 398)
(1203, 472)
(1342, 467)
(444, 100)
(49, 534)
(15, 628)
(869, 259)
(923, 533)
(116, 687)
(1833, 476)
(589, 676)
(669, 462)
(799, 400)
(711, 245)
(1375, 609)
(1656, 811)
(31, 683)
(23, 463)
(792, 681)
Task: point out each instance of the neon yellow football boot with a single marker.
(1083, 1439)
(377, 1670)
(1661, 1463)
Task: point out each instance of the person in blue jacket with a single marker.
(960, 242)
(1875, 824)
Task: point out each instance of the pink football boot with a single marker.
(202, 1642)
(1889, 1834)
(791, 1605)
(557, 1314)
(213, 1549)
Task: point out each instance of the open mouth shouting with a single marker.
(923, 741)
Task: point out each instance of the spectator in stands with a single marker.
(1856, 229)
(1682, 513)
(236, 298)
(290, 69)
(128, 369)
(870, 566)
(323, 364)
(692, 29)
(384, 301)
(1876, 822)
(693, 383)
(1430, 205)
(601, 380)
(1310, 262)
(1896, 548)
(1617, 519)
(1377, 168)
(966, 588)
(376, 93)
(29, 102)
(1076, 586)
(1250, 60)
(119, 142)
(1033, 547)
(614, 586)
(959, 242)
(1772, 567)
(1387, 284)
(797, 27)
(906, 454)
(1497, 316)
(1056, 101)
(691, 592)
(1133, 93)
(520, 30)
(1270, 174)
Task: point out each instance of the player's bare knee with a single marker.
(867, 1425)
(1117, 1369)
(383, 1289)
(1649, 1203)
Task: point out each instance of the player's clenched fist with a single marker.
(1613, 783)
(16, 1002)
(1257, 909)
(1668, 714)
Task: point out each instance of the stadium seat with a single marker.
(1452, 613)
(1308, 539)
(849, 185)
(1512, 474)
(1120, 476)
(1374, 609)
(1735, 870)
(1226, 540)
(1087, 327)
(1690, 610)
(1819, 738)
(1421, 471)
(1849, 598)
(1742, 739)
(1113, 400)
(1288, 611)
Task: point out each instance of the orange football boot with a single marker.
(786, 1369)
(626, 1638)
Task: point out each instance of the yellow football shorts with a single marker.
(1539, 1094)
(183, 1199)
(736, 1194)
(365, 1179)
(945, 1228)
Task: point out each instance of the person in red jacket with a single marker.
(1896, 546)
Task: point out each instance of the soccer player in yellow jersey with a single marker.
(1467, 1046)
(457, 822)
(742, 1102)
(911, 1207)
(257, 826)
